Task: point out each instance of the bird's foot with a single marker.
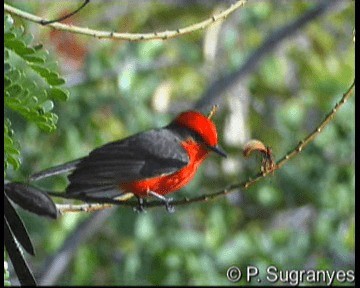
(169, 207)
(140, 208)
(167, 201)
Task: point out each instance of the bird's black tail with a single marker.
(56, 170)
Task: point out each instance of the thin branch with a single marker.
(318, 129)
(232, 188)
(127, 36)
(88, 207)
(291, 154)
(47, 22)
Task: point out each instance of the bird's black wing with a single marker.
(144, 155)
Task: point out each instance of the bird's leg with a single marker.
(140, 207)
(170, 208)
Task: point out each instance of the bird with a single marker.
(150, 163)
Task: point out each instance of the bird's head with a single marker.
(203, 127)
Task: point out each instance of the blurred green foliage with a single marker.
(303, 217)
(30, 86)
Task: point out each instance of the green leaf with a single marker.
(46, 127)
(8, 23)
(38, 46)
(47, 106)
(35, 58)
(7, 67)
(14, 89)
(17, 45)
(52, 78)
(11, 147)
(58, 94)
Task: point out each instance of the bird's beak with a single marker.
(218, 150)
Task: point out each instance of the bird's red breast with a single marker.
(169, 183)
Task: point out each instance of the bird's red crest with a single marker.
(200, 124)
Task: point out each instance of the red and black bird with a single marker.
(150, 163)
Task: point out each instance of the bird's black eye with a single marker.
(198, 138)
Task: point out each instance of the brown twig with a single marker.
(88, 207)
(213, 111)
(47, 22)
(245, 184)
(318, 129)
(127, 36)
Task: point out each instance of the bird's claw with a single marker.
(140, 207)
(169, 207)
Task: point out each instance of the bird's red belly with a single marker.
(168, 183)
(161, 185)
